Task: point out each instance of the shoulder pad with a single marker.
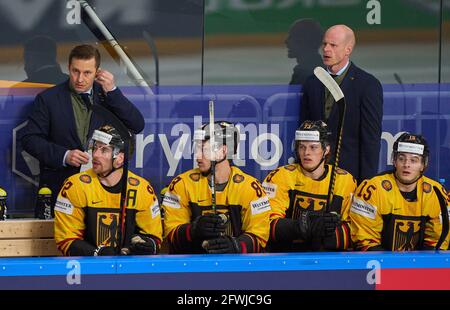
(387, 185)
(426, 187)
(85, 178)
(133, 181)
(195, 176)
(238, 178)
(341, 171)
(289, 167)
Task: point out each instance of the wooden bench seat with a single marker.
(27, 237)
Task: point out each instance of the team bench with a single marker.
(33, 237)
(27, 237)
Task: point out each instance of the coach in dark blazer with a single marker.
(62, 122)
(361, 139)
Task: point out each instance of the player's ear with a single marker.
(327, 150)
(118, 162)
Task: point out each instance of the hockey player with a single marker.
(231, 216)
(298, 196)
(399, 210)
(88, 206)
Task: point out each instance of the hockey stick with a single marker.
(338, 96)
(212, 145)
(125, 135)
(103, 34)
(444, 214)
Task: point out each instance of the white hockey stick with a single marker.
(212, 145)
(338, 96)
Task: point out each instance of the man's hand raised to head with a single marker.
(77, 158)
(105, 79)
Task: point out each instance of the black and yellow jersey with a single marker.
(243, 201)
(291, 192)
(381, 217)
(85, 210)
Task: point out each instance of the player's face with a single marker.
(310, 153)
(203, 155)
(408, 167)
(82, 74)
(102, 158)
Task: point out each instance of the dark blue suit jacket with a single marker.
(51, 129)
(361, 139)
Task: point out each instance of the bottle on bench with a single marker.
(43, 204)
(3, 207)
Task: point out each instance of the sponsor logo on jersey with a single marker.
(155, 209)
(270, 188)
(85, 178)
(171, 200)
(387, 185)
(426, 187)
(260, 205)
(195, 176)
(64, 205)
(363, 208)
(238, 178)
(289, 167)
(133, 181)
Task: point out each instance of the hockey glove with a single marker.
(207, 227)
(331, 220)
(142, 245)
(310, 224)
(105, 251)
(222, 245)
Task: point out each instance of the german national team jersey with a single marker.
(381, 216)
(243, 201)
(85, 210)
(291, 192)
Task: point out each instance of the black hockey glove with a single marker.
(142, 245)
(331, 220)
(310, 224)
(105, 251)
(222, 245)
(207, 227)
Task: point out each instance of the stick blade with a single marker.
(329, 83)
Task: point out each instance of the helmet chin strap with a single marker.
(208, 172)
(409, 183)
(316, 167)
(112, 170)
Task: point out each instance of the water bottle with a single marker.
(43, 203)
(3, 207)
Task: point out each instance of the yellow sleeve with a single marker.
(276, 188)
(433, 227)
(69, 214)
(349, 188)
(366, 222)
(255, 212)
(148, 216)
(175, 205)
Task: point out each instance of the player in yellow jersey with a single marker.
(238, 222)
(298, 196)
(88, 206)
(399, 210)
